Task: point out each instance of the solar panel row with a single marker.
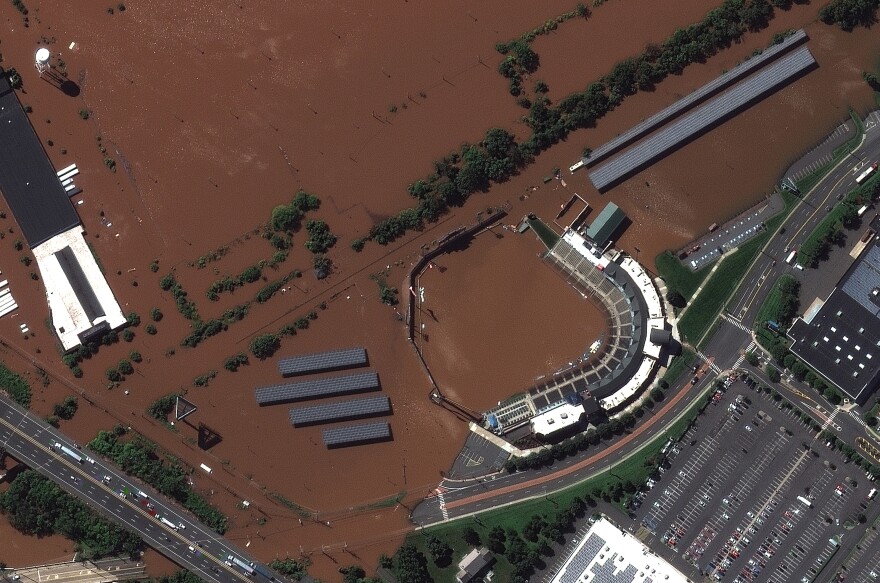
(318, 388)
(684, 103)
(355, 434)
(356, 408)
(692, 123)
(322, 361)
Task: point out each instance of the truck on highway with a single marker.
(71, 453)
(791, 256)
(248, 570)
(805, 502)
(167, 522)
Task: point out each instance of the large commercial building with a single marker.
(840, 336)
(607, 554)
(81, 302)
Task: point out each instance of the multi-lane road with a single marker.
(726, 349)
(190, 544)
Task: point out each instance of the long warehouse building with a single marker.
(303, 364)
(699, 120)
(356, 434)
(709, 89)
(318, 388)
(341, 411)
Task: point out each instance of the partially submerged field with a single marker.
(213, 115)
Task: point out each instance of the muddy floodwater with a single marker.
(528, 323)
(211, 114)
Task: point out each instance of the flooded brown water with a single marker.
(216, 113)
(528, 316)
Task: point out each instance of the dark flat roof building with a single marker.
(27, 178)
(841, 340)
(608, 221)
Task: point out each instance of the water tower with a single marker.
(41, 60)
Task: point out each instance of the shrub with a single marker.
(133, 319)
(265, 345)
(135, 356)
(154, 266)
(84, 113)
(127, 335)
(66, 409)
(320, 238)
(233, 363)
(113, 375)
(357, 245)
(150, 329)
(156, 314)
(322, 265)
(125, 367)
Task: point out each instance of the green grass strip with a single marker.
(677, 276)
(701, 313)
(547, 235)
(770, 308)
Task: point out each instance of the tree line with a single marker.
(36, 506)
(848, 14)
(498, 156)
(139, 457)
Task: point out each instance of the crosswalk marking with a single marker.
(715, 368)
(735, 322)
(742, 356)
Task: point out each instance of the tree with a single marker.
(752, 358)
(320, 238)
(265, 345)
(322, 264)
(871, 79)
(66, 409)
(471, 536)
(676, 299)
(412, 566)
(133, 319)
(125, 367)
(440, 550)
(772, 373)
(848, 14)
(156, 314)
(285, 217)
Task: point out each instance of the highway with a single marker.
(27, 438)
(725, 350)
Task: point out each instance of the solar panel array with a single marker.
(318, 388)
(355, 434)
(341, 411)
(684, 103)
(322, 361)
(689, 125)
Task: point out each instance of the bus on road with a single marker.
(864, 175)
(805, 502)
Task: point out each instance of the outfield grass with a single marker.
(701, 313)
(547, 235)
(517, 516)
(770, 308)
(677, 276)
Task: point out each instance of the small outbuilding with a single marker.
(606, 224)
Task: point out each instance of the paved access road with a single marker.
(27, 438)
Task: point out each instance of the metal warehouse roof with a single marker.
(354, 434)
(322, 361)
(356, 408)
(313, 389)
(689, 125)
(648, 125)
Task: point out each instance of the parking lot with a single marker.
(751, 495)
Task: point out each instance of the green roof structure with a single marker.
(606, 223)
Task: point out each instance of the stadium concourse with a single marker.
(615, 371)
